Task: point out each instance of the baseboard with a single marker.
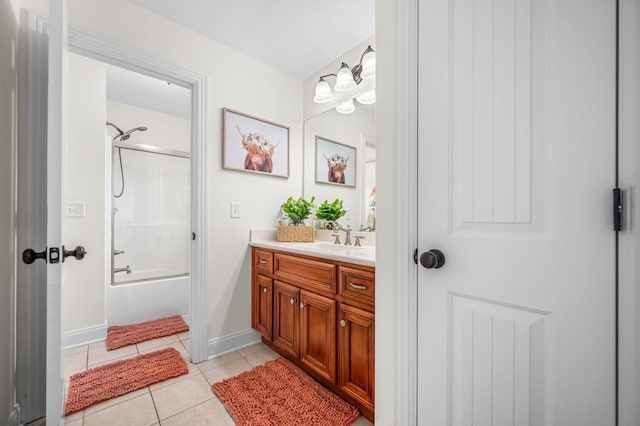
(85, 336)
(232, 342)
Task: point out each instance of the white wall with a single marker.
(84, 181)
(163, 130)
(8, 147)
(236, 81)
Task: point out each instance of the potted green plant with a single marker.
(330, 212)
(297, 211)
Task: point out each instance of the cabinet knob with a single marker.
(265, 290)
(301, 305)
(343, 323)
(292, 301)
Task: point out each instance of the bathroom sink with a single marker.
(363, 255)
(335, 248)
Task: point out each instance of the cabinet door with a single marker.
(356, 354)
(287, 318)
(318, 334)
(263, 305)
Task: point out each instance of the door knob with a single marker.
(30, 255)
(432, 259)
(78, 253)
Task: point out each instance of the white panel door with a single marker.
(55, 157)
(516, 163)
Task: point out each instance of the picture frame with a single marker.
(255, 145)
(335, 163)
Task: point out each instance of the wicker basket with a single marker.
(303, 234)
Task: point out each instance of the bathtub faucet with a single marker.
(127, 269)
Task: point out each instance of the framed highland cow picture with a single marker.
(335, 163)
(251, 144)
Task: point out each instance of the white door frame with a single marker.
(114, 53)
(629, 237)
(396, 211)
(396, 318)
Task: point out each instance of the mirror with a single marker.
(351, 133)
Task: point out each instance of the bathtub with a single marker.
(145, 300)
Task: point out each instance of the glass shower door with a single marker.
(151, 232)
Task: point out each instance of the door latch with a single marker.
(617, 209)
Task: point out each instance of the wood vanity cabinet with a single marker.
(319, 313)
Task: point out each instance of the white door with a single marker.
(516, 165)
(55, 167)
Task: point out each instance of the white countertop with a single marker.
(323, 247)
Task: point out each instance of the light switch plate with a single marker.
(74, 209)
(235, 209)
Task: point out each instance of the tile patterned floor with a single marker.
(184, 400)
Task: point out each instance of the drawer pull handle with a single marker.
(358, 286)
(292, 301)
(343, 323)
(262, 261)
(265, 290)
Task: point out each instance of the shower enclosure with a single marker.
(150, 233)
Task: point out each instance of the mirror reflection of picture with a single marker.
(335, 163)
(254, 145)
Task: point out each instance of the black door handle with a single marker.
(30, 255)
(432, 259)
(78, 253)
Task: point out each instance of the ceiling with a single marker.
(298, 37)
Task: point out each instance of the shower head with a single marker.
(120, 132)
(126, 135)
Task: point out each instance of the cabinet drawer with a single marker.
(263, 261)
(311, 274)
(357, 286)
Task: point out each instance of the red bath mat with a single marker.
(279, 393)
(120, 377)
(123, 335)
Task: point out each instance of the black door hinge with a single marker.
(617, 209)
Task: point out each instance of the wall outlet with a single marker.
(235, 209)
(74, 209)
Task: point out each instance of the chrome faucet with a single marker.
(347, 237)
(126, 269)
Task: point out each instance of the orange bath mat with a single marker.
(279, 393)
(123, 335)
(120, 377)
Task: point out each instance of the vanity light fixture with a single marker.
(346, 107)
(347, 79)
(367, 98)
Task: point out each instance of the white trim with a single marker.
(56, 136)
(109, 51)
(396, 273)
(629, 237)
(232, 342)
(85, 336)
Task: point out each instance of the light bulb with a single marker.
(368, 64)
(346, 108)
(344, 79)
(323, 92)
(367, 98)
